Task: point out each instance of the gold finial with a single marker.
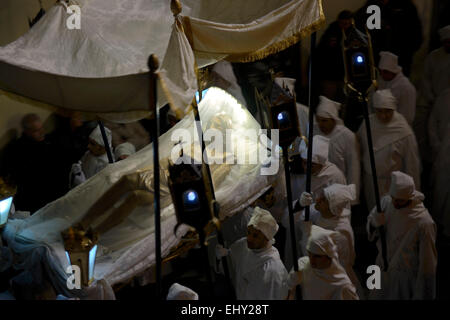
(175, 6)
(153, 63)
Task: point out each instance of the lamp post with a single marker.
(283, 117)
(193, 201)
(360, 78)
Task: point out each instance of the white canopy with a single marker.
(102, 67)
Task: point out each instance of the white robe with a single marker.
(395, 149)
(329, 284)
(91, 164)
(411, 252)
(329, 175)
(345, 154)
(344, 239)
(436, 75)
(303, 118)
(405, 93)
(260, 274)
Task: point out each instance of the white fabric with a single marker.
(389, 62)
(320, 242)
(96, 135)
(225, 70)
(179, 292)
(384, 99)
(402, 186)
(260, 274)
(411, 252)
(395, 149)
(124, 149)
(128, 249)
(107, 57)
(345, 242)
(329, 284)
(303, 118)
(91, 165)
(344, 152)
(329, 109)
(435, 76)
(263, 221)
(319, 150)
(405, 94)
(444, 33)
(332, 283)
(339, 196)
(330, 174)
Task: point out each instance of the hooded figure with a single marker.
(94, 160)
(124, 150)
(410, 242)
(344, 148)
(437, 69)
(320, 275)
(331, 212)
(258, 271)
(394, 145)
(179, 292)
(324, 173)
(392, 77)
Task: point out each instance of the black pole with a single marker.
(311, 123)
(220, 240)
(153, 66)
(105, 141)
(291, 212)
(374, 179)
(204, 252)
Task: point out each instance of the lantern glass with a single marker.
(5, 206)
(197, 96)
(92, 255)
(191, 200)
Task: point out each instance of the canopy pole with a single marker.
(220, 240)
(311, 123)
(153, 65)
(381, 231)
(291, 215)
(105, 141)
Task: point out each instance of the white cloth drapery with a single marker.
(102, 67)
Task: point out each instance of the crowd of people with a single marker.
(342, 182)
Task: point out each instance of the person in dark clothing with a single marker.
(400, 33)
(329, 63)
(32, 163)
(70, 139)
